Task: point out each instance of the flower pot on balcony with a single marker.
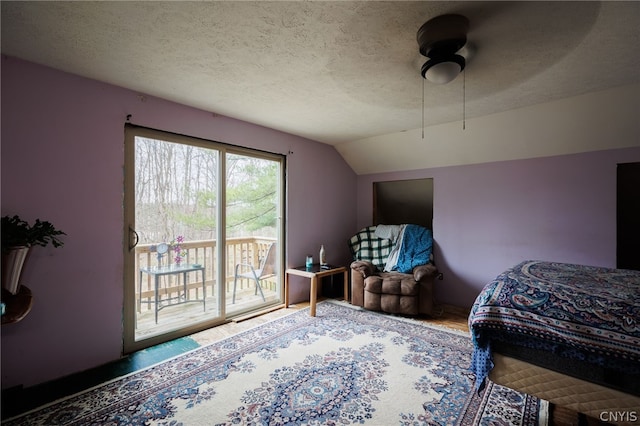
(12, 262)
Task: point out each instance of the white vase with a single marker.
(12, 262)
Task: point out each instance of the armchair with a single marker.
(393, 275)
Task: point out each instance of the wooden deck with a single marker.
(246, 251)
(173, 317)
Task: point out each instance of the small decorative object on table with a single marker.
(323, 258)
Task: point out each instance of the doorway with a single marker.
(403, 201)
(628, 212)
(182, 197)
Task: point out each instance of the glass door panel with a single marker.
(252, 218)
(176, 192)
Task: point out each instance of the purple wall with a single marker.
(62, 161)
(488, 217)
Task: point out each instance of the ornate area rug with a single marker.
(345, 366)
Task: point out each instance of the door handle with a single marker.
(132, 232)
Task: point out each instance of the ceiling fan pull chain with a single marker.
(423, 108)
(464, 100)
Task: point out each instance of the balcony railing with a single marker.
(249, 250)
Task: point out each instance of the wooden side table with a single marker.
(17, 305)
(314, 273)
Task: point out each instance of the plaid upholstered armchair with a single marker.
(392, 269)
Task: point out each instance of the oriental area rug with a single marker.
(344, 366)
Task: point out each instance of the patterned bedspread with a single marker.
(592, 311)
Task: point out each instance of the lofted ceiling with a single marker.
(333, 72)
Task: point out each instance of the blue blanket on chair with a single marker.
(417, 244)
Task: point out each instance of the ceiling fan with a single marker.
(440, 40)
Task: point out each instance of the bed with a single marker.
(566, 333)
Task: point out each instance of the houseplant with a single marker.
(17, 239)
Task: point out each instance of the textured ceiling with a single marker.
(331, 71)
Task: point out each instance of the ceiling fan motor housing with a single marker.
(440, 38)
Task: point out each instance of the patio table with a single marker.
(158, 271)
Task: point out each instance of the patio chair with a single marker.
(266, 269)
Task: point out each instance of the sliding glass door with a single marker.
(178, 278)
